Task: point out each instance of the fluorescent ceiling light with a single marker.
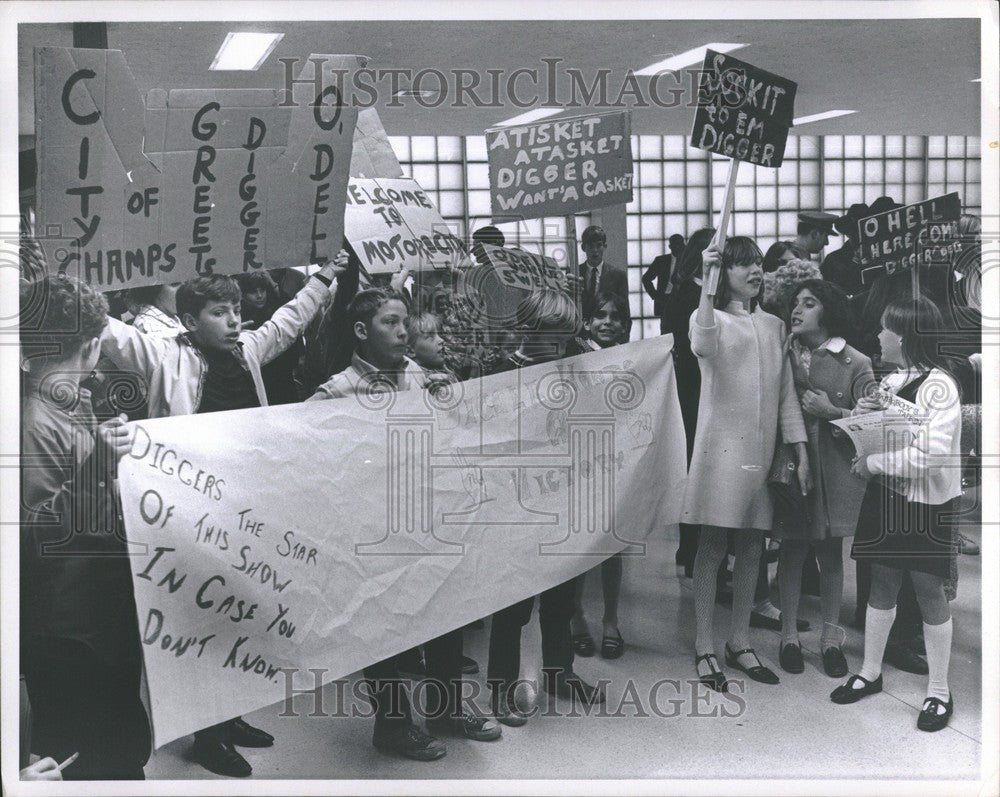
(804, 120)
(530, 116)
(689, 58)
(245, 51)
(424, 94)
(976, 80)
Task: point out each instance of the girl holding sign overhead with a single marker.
(906, 513)
(746, 391)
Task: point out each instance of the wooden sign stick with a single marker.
(719, 239)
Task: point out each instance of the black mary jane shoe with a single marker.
(930, 719)
(834, 663)
(758, 672)
(847, 693)
(715, 679)
(790, 657)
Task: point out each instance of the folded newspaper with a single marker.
(893, 427)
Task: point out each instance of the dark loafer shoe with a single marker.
(790, 658)
(583, 645)
(612, 647)
(930, 718)
(848, 693)
(834, 663)
(221, 758)
(244, 734)
(758, 672)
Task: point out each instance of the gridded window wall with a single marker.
(678, 189)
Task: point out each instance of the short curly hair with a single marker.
(779, 284)
(61, 311)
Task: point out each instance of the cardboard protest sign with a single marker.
(922, 234)
(388, 520)
(373, 155)
(507, 275)
(743, 112)
(393, 223)
(191, 182)
(561, 167)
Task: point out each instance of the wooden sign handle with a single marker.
(719, 239)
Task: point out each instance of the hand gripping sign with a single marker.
(744, 113)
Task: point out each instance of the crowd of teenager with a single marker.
(764, 361)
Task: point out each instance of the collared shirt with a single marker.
(930, 467)
(153, 321)
(363, 377)
(804, 354)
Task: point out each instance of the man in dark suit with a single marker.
(656, 280)
(596, 276)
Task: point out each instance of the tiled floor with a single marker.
(786, 731)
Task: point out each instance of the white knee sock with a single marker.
(937, 640)
(878, 623)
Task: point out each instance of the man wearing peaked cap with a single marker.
(814, 230)
(843, 267)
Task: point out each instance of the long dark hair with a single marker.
(689, 264)
(774, 253)
(738, 249)
(920, 325)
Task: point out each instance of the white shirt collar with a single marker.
(834, 345)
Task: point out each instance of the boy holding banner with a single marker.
(380, 365)
(211, 368)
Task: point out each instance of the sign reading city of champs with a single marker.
(392, 223)
(388, 520)
(743, 112)
(191, 182)
(922, 234)
(560, 167)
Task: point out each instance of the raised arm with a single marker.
(127, 347)
(704, 329)
(289, 321)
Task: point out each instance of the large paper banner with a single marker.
(560, 167)
(192, 182)
(922, 234)
(373, 155)
(743, 112)
(393, 223)
(333, 534)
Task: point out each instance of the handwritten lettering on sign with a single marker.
(743, 112)
(922, 234)
(393, 223)
(186, 183)
(561, 167)
(383, 523)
